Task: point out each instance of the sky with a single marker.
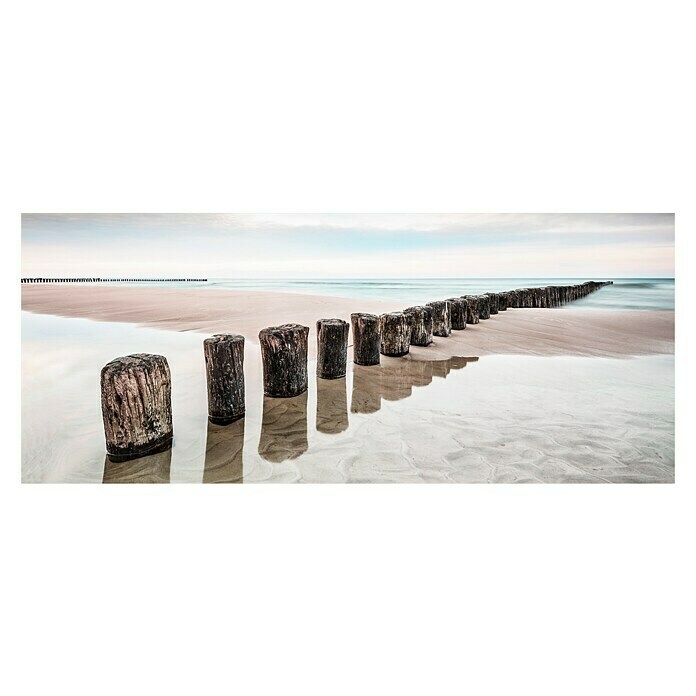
(349, 245)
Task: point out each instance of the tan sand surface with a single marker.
(565, 331)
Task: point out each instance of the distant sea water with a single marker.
(626, 293)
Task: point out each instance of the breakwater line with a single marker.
(33, 281)
(136, 389)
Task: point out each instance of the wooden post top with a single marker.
(136, 360)
(284, 330)
(224, 338)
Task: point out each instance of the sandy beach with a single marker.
(564, 331)
(548, 395)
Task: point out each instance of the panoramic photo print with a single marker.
(347, 348)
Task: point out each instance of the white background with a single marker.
(346, 107)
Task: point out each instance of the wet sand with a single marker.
(543, 398)
(563, 331)
(500, 418)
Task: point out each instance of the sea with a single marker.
(625, 293)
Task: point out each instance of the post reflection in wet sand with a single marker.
(153, 469)
(395, 378)
(459, 363)
(332, 406)
(441, 368)
(224, 453)
(365, 396)
(283, 428)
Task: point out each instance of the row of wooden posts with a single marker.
(136, 389)
(29, 281)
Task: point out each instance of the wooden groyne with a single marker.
(136, 389)
(30, 281)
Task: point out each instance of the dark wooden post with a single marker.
(441, 318)
(484, 307)
(458, 310)
(546, 297)
(332, 348)
(396, 334)
(472, 316)
(284, 356)
(493, 302)
(366, 339)
(136, 406)
(224, 370)
(421, 321)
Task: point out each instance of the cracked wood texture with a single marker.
(366, 338)
(284, 357)
(136, 406)
(493, 301)
(458, 308)
(332, 348)
(421, 322)
(224, 370)
(396, 334)
(472, 316)
(441, 317)
(484, 307)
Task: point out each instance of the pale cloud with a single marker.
(343, 245)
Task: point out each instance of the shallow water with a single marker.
(497, 419)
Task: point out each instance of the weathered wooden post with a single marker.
(492, 302)
(136, 406)
(395, 330)
(284, 357)
(441, 318)
(224, 370)
(366, 339)
(484, 307)
(458, 311)
(332, 348)
(472, 316)
(421, 321)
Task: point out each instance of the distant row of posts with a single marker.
(29, 281)
(136, 389)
